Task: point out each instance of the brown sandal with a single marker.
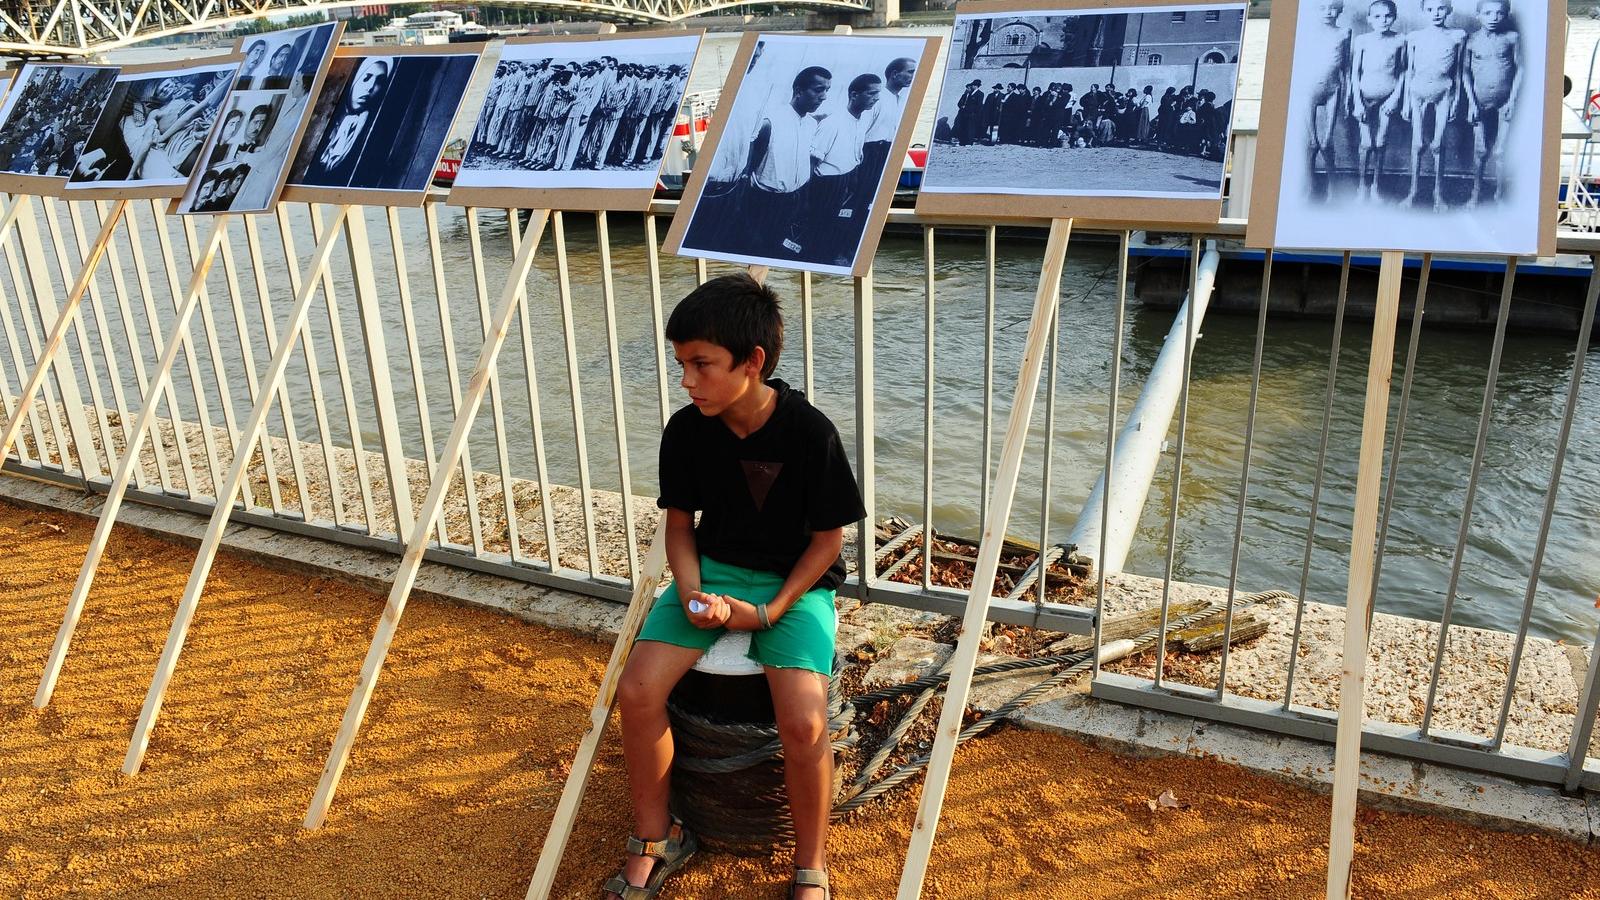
(670, 853)
(810, 878)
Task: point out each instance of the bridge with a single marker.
(82, 28)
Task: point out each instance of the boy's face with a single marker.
(1380, 17)
(1437, 11)
(1492, 14)
(1329, 10)
(711, 378)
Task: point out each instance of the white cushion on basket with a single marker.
(728, 656)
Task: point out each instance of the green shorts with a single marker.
(801, 638)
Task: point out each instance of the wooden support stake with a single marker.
(176, 340)
(1045, 302)
(1358, 593)
(226, 494)
(417, 537)
(64, 320)
(644, 594)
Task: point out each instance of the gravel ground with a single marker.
(470, 737)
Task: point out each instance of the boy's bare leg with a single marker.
(1419, 113)
(1441, 118)
(1485, 133)
(1380, 143)
(801, 700)
(653, 670)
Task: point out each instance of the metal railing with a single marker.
(585, 375)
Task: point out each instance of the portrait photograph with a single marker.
(47, 116)
(381, 121)
(153, 128)
(579, 113)
(799, 168)
(244, 163)
(1070, 103)
(1414, 125)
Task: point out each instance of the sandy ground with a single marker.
(468, 741)
(1074, 168)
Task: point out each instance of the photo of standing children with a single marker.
(1413, 106)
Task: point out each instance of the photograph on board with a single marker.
(798, 165)
(579, 114)
(380, 121)
(153, 127)
(1064, 102)
(47, 116)
(1402, 118)
(243, 163)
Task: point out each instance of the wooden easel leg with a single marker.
(1358, 594)
(646, 580)
(226, 494)
(130, 460)
(1045, 303)
(68, 313)
(417, 537)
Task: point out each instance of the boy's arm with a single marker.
(1468, 85)
(813, 563)
(1507, 109)
(684, 558)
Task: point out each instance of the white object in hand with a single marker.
(695, 606)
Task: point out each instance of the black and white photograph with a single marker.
(244, 163)
(381, 121)
(797, 170)
(579, 114)
(47, 116)
(153, 128)
(1402, 117)
(1069, 103)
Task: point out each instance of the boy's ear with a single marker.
(757, 360)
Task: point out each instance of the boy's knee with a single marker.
(637, 695)
(802, 728)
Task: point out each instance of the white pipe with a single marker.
(1140, 441)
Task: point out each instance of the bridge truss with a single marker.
(81, 28)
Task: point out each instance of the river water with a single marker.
(1432, 479)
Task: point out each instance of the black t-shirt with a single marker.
(762, 496)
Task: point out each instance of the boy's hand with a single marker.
(705, 610)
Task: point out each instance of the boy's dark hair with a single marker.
(735, 312)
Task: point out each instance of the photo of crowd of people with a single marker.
(245, 159)
(1066, 103)
(48, 115)
(799, 166)
(1410, 109)
(380, 121)
(594, 114)
(153, 127)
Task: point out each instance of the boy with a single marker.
(1377, 71)
(769, 476)
(1492, 77)
(1433, 85)
(832, 207)
(1327, 61)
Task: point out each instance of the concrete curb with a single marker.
(1386, 781)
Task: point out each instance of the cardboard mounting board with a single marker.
(41, 185)
(1096, 212)
(293, 143)
(1267, 179)
(154, 191)
(574, 198)
(375, 196)
(891, 171)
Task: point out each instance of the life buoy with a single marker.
(1592, 110)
